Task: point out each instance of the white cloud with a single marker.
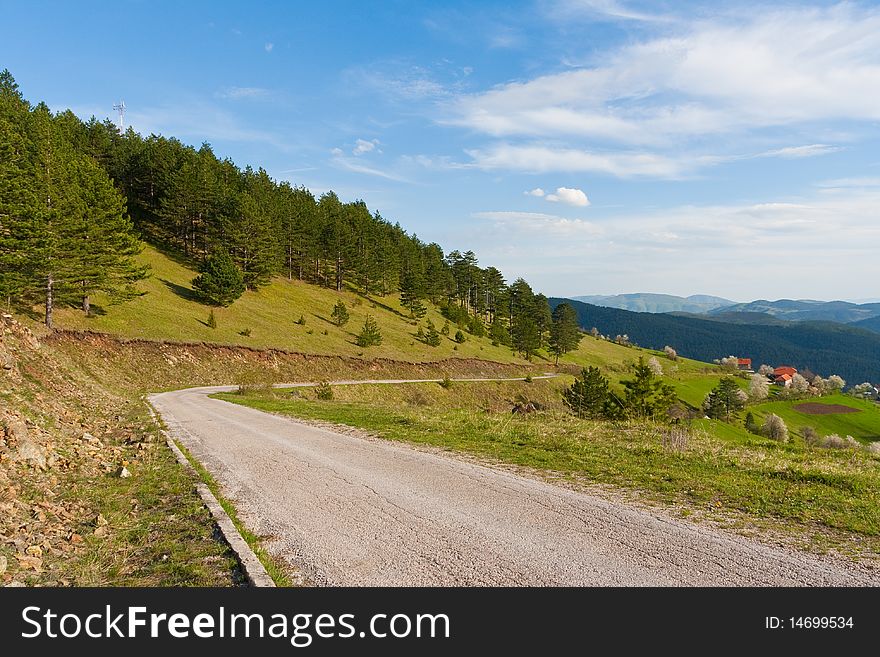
(336, 151)
(538, 158)
(758, 250)
(363, 146)
(706, 84)
(569, 196)
(537, 191)
(268, 46)
(242, 93)
(546, 224)
(810, 150)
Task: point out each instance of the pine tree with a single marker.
(220, 281)
(340, 314)
(432, 337)
(646, 395)
(412, 292)
(589, 395)
(525, 336)
(370, 334)
(565, 334)
(724, 399)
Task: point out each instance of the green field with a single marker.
(863, 425)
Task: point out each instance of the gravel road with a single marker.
(348, 511)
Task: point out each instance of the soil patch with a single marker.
(812, 408)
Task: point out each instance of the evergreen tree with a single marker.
(589, 396)
(432, 337)
(525, 337)
(459, 337)
(219, 281)
(646, 395)
(724, 399)
(412, 292)
(370, 334)
(340, 314)
(565, 333)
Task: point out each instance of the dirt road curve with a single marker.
(349, 511)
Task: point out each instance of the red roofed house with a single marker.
(782, 375)
(744, 364)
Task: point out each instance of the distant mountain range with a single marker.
(642, 302)
(760, 312)
(822, 346)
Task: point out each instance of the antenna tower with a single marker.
(120, 107)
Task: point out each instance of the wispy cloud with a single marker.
(243, 93)
(796, 152)
(607, 9)
(268, 46)
(708, 85)
(538, 158)
(548, 224)
(357, 166)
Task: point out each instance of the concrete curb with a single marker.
(250, 563)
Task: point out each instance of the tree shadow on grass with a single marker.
(183, 292)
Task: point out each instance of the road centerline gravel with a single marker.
(349, 511)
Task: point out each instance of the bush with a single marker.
(459, 337)
(774, 427)
(528, 378)
(873, 449)
(836, 442)
(810, 436)
(446, 382)
(220, 281)
(212, 321)
(245, 332)
(324, 391)
(301, 321)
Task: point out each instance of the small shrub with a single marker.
(418, 398)
(810, 435)
(310, 332)
(459, 337)
(836, 442)
(212, 321)
(528, 378)
(245, 332)
(324, 391)
(325, 332)
(446, 382)
(301, 321)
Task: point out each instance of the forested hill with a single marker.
(825, 348)
(75, 197)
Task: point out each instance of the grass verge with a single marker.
(272, 566)
(715, 473)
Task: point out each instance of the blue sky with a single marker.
(591, 146)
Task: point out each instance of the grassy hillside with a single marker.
(169, 310)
